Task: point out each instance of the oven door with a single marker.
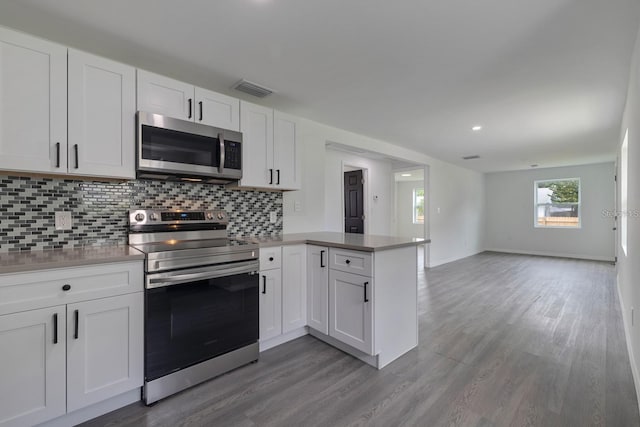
(173, 146)
(196, 314)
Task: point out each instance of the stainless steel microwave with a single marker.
(174, 149)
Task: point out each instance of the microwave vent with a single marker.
(252, 88)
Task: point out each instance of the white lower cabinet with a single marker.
(318, 288)
(32, 366)
(294, 287)
(83, 347)
(104, 348)
(270, 304)
(351, 309)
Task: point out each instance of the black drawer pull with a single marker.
(348, 262)
(55, 328)
(365, 292)
(322, 259)
(264, 284)
(66, 287)
(76, 320)
(270, 258)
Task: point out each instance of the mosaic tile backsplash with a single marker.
(100, 209)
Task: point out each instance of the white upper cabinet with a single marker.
(102, 106)
(169, 97)
(256, 125)
(33, 104)
(162, 95)
(216, 109)
(270, 148)
(286, 158)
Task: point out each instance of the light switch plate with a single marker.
(63, 221)
(273, 217)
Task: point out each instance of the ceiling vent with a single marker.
(252, 89)
(475, 156)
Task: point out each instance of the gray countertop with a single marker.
(357, 242)
(16, 262)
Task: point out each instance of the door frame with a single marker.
(348, 166)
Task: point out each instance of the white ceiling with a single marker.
(546, 78)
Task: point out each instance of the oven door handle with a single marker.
(176, 279)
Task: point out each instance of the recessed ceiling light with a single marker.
(476, 128)
(406, 174)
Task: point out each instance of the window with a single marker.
(557, 203)
(624, 176)
(418, 205)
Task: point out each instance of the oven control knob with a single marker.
(209, 215)
(139, 217)
(220, 215)
(153, 216)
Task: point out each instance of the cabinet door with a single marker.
(256, 125)
(33, 104)
(318, 288)
(32, 366)
(286, 152)
(216, 109)
(294, 287)
(102, 107)
(351, 309)
(270, 304)
(162, 95)
(104, 348)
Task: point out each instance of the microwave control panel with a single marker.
(232, 155)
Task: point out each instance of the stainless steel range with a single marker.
(201, 298)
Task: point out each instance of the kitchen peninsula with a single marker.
(360, 294)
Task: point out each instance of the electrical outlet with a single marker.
(273, 217)
(297, 206)
(63, 221)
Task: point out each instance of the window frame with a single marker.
(536, 204)
(415, 222)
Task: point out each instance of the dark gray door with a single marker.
(353, 202)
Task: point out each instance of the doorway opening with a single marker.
(354, 199)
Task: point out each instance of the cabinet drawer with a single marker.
(351, 261)
(28, 291)
(270, 258)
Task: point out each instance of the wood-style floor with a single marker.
(505, 340)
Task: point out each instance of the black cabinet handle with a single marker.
(270, 258)
(365, 292)
(348, 261)
(278, 175)
(190, 107)
(264, 284)
(200, 104)
(76, 321)
(57, 154)
(75, 149)
(66, 287)
(55, 328)
(270, 176)
(322, 259)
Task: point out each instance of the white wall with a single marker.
(510, 213)
(456, 230)
(379, 178)
(404, 209)
(629, 264)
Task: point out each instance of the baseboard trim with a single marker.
(440, 262)
(627, 336)
(551, 254)
(281, 339)
(95, 410)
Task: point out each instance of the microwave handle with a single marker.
(221, 138)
